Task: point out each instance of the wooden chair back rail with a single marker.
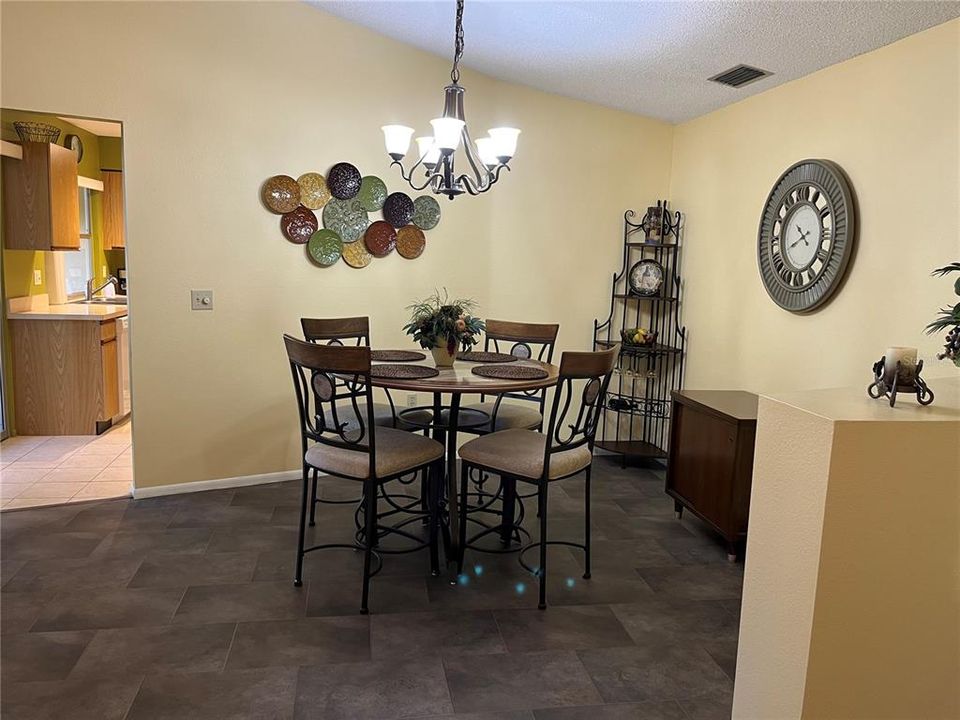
(336, 328)
(588, 364)
(522, 332)
(329, 358)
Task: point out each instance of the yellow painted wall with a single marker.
(217, 97)
(851, 595)
(890, 119)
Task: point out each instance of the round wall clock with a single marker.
(806, 235)
(74, 143)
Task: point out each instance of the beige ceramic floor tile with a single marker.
(45, 456)
(123, 461)
(16, 474)
(22, 502)
(103, 490)
(64, 474)
(44, 489)
(94, 449)
(115, 474)
(8, 491)
(98, 462)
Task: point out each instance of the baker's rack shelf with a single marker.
(635, 423)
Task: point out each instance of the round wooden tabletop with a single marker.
(460, 379)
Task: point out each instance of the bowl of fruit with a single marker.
(638, 336)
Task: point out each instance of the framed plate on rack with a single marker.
(646, 278)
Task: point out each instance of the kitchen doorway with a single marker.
(65, 347)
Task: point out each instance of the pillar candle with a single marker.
(907, 356)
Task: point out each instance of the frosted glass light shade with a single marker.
(487, 151)
(446, 132)
(504, 141)
(397, 139)
(428, 152)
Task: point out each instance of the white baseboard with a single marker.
(216, 484)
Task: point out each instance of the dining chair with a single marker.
(335, 331)
(525, 341)
(541, 458)
(363, 452)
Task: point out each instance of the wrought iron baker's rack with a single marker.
(636, 418)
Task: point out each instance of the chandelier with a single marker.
(436, 153)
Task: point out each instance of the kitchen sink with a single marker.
(115, 300)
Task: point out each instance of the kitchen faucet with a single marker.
(91, 291)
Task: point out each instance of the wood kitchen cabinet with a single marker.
(114, 233)
(64, 376)
(710, 465)
(41, 207)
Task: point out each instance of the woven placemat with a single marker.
(397, 355)
(510, 372)
(403, 372)
(486, 357)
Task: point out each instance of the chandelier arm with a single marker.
(408, 176)
(492, 177)
(482, 177)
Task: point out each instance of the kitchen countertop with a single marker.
(72, 311)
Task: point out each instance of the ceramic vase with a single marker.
(441, 357)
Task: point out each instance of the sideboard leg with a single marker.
(677, 509)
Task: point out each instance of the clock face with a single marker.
(74, 143)
(806, 235)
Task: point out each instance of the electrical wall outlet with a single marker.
(38, 277)
(411, 399)
(201, 299)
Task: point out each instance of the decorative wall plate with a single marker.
(346, 218)
(646, 277)
(398, 209)
(281, 194)
(298, 225)
(372, 193)
(410, 241)
(325, 247)
(426, 212)
(314, 193)
(380, 238)
(356, 255)
(343, 179)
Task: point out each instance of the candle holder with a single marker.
(904, 379)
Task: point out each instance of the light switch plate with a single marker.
(201, 299)
(37, 277)
(412, 399)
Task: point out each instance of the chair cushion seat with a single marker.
(510, 416)
(382, 415)
(520, 453)
(397, 451)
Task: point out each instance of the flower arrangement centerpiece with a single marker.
(949, 319)
(444, 326)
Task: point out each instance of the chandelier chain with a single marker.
(457, 45)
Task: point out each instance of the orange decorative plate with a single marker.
(281, 194)
(410, 242)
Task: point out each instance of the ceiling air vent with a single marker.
(739, 76)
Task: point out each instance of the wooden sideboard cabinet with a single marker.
(114, 232)
(41, 204)
(711, 459)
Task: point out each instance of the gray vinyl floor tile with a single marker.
(184, 607)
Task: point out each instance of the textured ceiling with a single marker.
(651, 58)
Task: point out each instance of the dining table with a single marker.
(443, 419)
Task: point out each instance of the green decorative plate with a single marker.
(325, 247)
(346, 218)
(426, 212)
(372, 193)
